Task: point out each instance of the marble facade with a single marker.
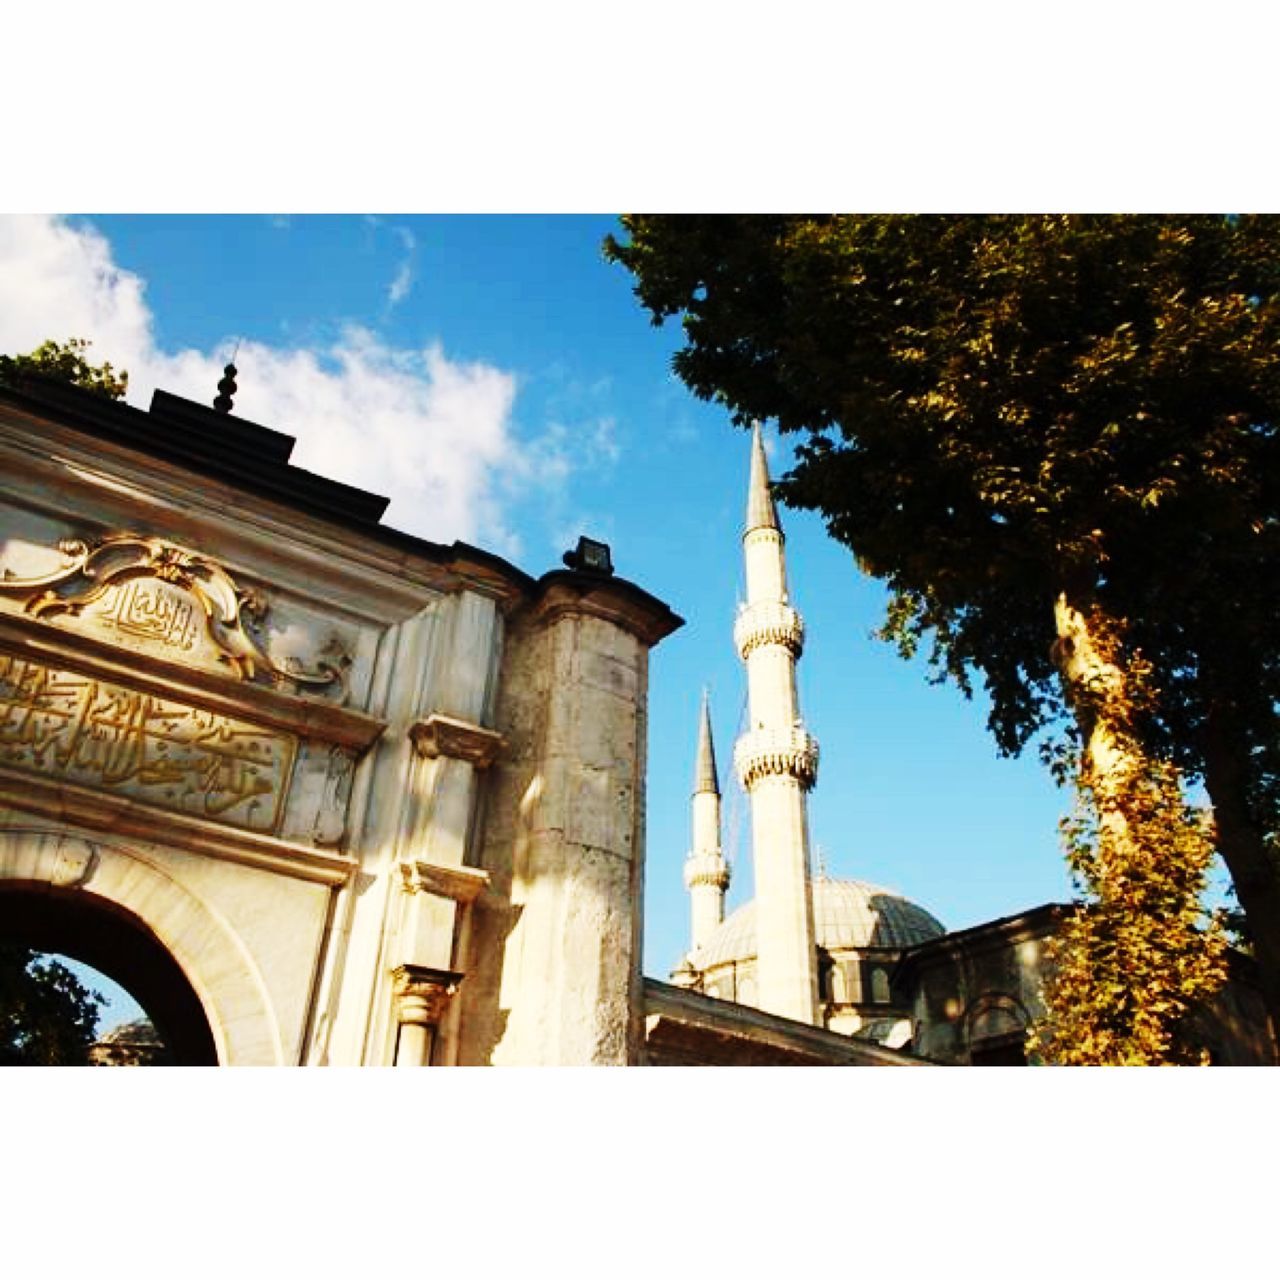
(381, 800)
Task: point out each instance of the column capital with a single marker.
(422, 994)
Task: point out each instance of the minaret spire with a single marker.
(705, 777)
(761, 513)
(777, 762)
(706, 873)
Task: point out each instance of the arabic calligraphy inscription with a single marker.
(175, 756)
(153, 610)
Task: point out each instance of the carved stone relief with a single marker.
(101, 734)
(153, 596)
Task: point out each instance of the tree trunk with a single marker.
(1089, 675)
(1130, 966)
(1242, 844)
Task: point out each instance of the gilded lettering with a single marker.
(104, 735)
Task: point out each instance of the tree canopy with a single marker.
(66, 362)
(48, 1017)
(996, 411)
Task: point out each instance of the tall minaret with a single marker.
(777, 762)
(706, 873)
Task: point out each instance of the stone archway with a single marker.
(115, 909)
(80, 924)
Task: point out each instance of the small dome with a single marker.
(138, 1032)
(848, 915)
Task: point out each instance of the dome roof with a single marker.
(847, 915)
(138, 1032)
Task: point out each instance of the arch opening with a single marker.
(103, 935)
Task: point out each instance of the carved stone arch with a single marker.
(211, 957)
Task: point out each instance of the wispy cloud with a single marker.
(402, 282)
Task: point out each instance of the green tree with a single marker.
(66, 362)
(48, 1018)
(1028, 426)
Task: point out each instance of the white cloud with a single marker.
(435, 435)
(403, 279)
(400, 284)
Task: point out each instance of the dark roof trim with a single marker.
(1030, 922)
(251, 457)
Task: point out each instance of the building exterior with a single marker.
(313, 790)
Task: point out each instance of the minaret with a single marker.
(777, 762)
(706, 873)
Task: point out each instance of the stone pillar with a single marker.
(565, 835)
(414, 813)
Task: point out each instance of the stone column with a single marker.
(422, 996)
(565, 836)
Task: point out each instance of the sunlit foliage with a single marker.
(66, 362)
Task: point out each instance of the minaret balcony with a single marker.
(706, 867)
(763, 753)
(768, 622)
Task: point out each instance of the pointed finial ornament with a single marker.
(761, 513)
(704, 773)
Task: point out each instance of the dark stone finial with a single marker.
(227, 388)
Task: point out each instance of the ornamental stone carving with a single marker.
(155, 596)
(439, 735)
(768, 622)
(458, 884)
(761, 753)
(706, 868)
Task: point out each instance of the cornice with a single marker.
(568, 593)
(108, 812)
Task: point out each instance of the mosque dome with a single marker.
(848, 915)
(139, 1032)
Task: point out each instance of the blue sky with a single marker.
(496, 376)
